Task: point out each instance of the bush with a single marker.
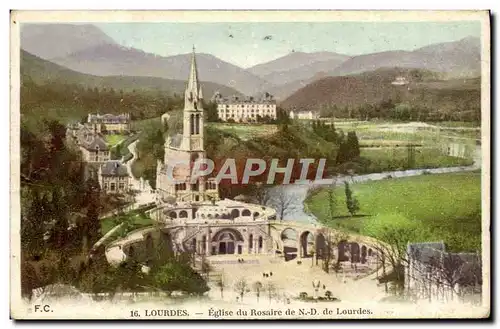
(303, 295)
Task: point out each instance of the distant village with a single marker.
(89, 138)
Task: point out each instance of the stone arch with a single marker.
(256, 214)
(261, 242)
(235, 234)
(250, 241)
(246, 212)
(355, 252)
(235, 213)
(204, 243)
(183, 214)
(343, 251)
(228, 241)
(306, 242)
(216, 215)
(289, 240)
(363, 254)
(370, 252)
(172, 214)
(321, 246)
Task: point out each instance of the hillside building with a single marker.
(433, 273)
(113, 177)
(246, 109)
(303, 115)
(109, 123)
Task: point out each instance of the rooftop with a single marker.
(109, 118)
(114, 168)
(266, 98)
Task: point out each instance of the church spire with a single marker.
(193, 87)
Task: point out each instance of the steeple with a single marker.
(193, 89)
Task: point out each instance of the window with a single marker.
(105, 186)
(112, 186)
(121, 186)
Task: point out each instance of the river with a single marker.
(298, 192)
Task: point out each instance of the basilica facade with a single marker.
(189, 207)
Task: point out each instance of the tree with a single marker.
(177, 275)
(281, 201)
(262, 194)
(351, 201)
(332, 240)
(332, 203)
(221, 285)
(257, 287)
(394, 232)
(241, 287)
(271, 289)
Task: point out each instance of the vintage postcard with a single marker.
(250, 165)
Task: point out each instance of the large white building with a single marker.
(246, 109)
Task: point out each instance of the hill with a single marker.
(44, 72)
(297, 66)
(457, 59)
(345, 95)
(49, 41)
(87, 49)
(113, 60)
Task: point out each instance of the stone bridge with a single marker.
(305, 240)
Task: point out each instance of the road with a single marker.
(145, 192)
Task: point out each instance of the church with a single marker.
(190, 207)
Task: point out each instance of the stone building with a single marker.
(114, 177)
(246, 109)
(94, 149)
(303, 115)
(189, 206)
(433, 273)
(174, 175)
(109, 123)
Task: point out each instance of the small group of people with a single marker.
(267, 275)
(241, 260)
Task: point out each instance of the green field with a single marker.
(134, 220)
(112, 140)
(388, 159)
(448, 206)
(246, 131)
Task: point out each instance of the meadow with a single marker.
(246, 131)
(446, 206)
(133, 220)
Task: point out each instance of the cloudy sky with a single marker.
(248, 46)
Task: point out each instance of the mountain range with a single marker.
(87, 49)
(44, 72)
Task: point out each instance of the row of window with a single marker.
(241, 116)
(245, 111)
(247, 105)
(112, 186)
(234, 213)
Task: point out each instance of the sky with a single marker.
(247, 46)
